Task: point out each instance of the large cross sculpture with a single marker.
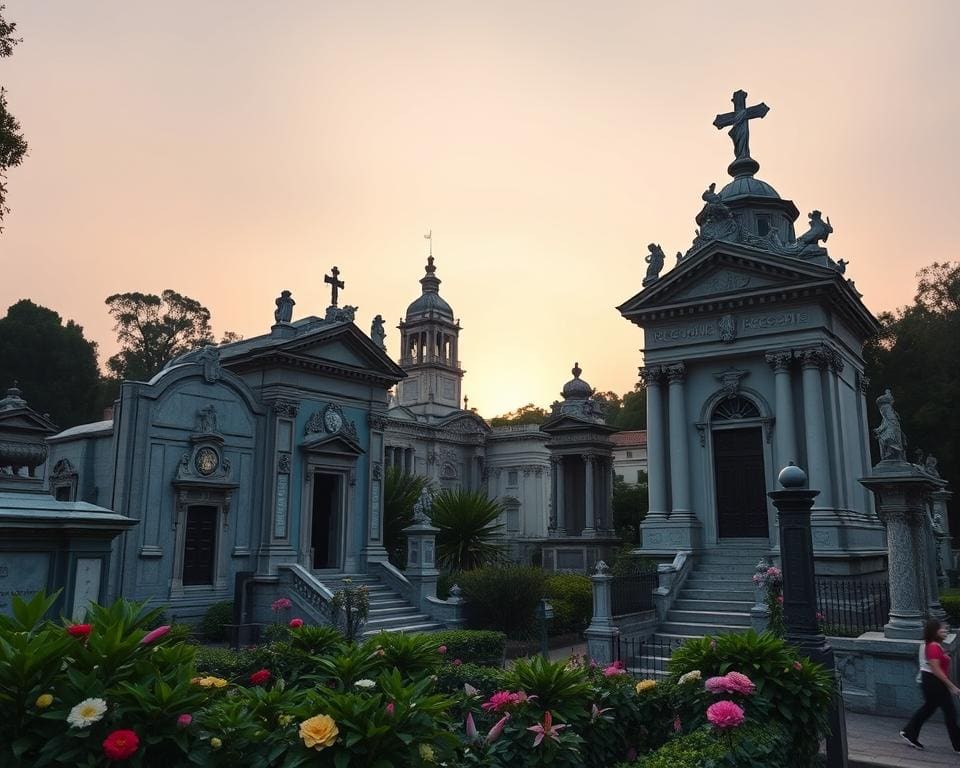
(334, 283)
(739, 123)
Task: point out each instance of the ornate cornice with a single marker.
(287, 409)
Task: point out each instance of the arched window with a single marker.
(735, 408)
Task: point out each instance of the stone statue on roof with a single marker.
(655, 259)
(377, 333)
(284, 311)
(819, 230)
(889, 434)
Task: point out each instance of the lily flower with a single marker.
(596, 712)
(497, 729)
(472, 733)
(546, 729)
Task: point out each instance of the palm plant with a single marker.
(469, 536)
(400, 493)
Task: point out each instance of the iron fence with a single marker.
(848, 608)
(646, 658)
(633, 593)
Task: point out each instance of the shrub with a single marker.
(487, 680)
(950, 600)
(411, 655)
(469, 535)
(504, 599)
(213, 626)
(571, 595)
(558, 686)
(472, 646)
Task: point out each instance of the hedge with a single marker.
(950, 600)
(472, 646)
(571, 595)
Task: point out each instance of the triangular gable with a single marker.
(566, 422)
(723, 269)
(331, 443)
(401, 413)
(343, 344)
(465, 422)
(26, 420)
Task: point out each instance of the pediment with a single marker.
(26, 420)
(402, 413)
(566, 422)
(723, 270)
(344, 345)
(337, 443)
(465, 422)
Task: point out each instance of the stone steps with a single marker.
(389, 612)
(713, 605)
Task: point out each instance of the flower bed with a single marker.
(118, 690)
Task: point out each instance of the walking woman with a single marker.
(938, 689)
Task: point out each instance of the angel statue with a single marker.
(889, 434)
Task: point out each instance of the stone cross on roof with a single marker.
(334, 283)
(739, 123)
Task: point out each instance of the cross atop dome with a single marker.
(739, 123)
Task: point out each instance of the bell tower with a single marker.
(429, 337)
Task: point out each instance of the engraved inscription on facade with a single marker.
(774, 320)
(22, 573)
(703, 330)
(283, 503)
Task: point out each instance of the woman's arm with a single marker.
(937, 670)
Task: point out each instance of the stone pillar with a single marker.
(561, 522)
(590, 522)
(656, 431)
(901, 491)
(421, 570)
(602, 635)
(818, 450)
(679, 455)
(374, 550)
(793, 504)
(785, 430)
(930, 563)
(939, 501)
(608, 502)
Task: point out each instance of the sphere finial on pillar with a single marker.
(791, 476)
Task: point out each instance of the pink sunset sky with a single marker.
(231, 149)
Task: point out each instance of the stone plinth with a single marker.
(902, 492)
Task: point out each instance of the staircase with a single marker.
(389, 612)
(715, 599)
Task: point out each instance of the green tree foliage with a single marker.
(153, 329)
(56, 367)
(630, 505)
(525, 414)
(13, 147)
(400, 493)
(630, 411)
(917, 356)
(469, 536)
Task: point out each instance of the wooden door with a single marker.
(740, 484)
(200, 545)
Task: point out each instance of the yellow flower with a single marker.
(645, 685)
(319, 732)
(44, 700)
(210, 682)
(426, 753)
(216, 743)
(285, 719)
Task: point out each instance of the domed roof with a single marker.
(743, 186)
(576, 388)
(430, 302)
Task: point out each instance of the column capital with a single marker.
(780, 359)
(554, 460)
(835, 360)
(676, 372)
(588, 458)
(651, 374)
(813, 357)
(863, 382)
(285, 408)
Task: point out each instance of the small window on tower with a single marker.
(629, 454)
(763, 225)
(512, 477)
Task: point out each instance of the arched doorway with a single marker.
(738, 470)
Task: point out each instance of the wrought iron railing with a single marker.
(646, 658)
(633, 593)
(850, 607)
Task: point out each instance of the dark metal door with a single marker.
(200, 545)
(740, 483)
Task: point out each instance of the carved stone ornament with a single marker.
(602, 568)
(863, 382)
(283, 464)
(930, 466)
(284, 311)
(655, 260)
(432, 457)
(676, 372)
(376, 422)
(63, 470)
(730, 379)
(344, 314)
(287, 409)
(651, 374)
(780, 360)
(814, 357)
(377, 333)
(377, 470)
(889, 434)
(421, 509)
(209, 359)
(727, 329)
(207, 420)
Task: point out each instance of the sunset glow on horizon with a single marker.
(231, 150)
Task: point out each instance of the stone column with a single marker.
(818, 450)
(656, 431)
(561, 522)
(785, 430)
(793, 504)
(930, 562)
(901, 492)
(679, 455)
(939, 500)
(602, 635)
(608, 502)
(590, 522)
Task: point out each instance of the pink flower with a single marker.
(773, 572)
(596, 712)
(457, 662)
(740, 683)
(819, 616)
(546, 729)
(471, 726)
(614, 669)
(296, 623)
(499, 701)
(497, 729)
(780, 599)
(260, 677)
(724, 715)
(442, 649)
(282, 604)
(797, 666)
(716, 685)
(184, 720)
(390, 708)
(155, 634)
(79, 630)
(677, 725)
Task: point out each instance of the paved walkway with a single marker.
(875, 741)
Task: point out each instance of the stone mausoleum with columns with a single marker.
(753, 359)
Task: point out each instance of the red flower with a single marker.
(120, 745)
(79, 630)
(442, 649)
(260, 677)
(296, 623)
(156, 634)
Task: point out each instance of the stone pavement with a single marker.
(875, 741)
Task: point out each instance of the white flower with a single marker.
(690, 677)
(365, 684)
(87, 712)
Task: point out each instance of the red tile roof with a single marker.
(631, 438)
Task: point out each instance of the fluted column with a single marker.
(590, 523)
(679, 454)
(818, 450)
(608, 502)
(653, 377)
(552, 523)
(785, 430)
(561, 523)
